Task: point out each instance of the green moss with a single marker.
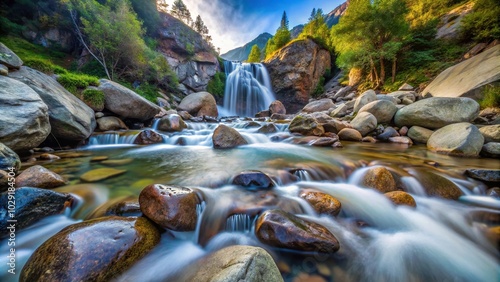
(94, 97)
(217, 84)
(491, 96)
(28, 51)
(73, 81)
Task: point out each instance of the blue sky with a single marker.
(234, 23)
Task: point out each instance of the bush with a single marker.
(491, 96)
(320, 89)
(483, 24)
(217, 84)
(73, 81)
(94, 97)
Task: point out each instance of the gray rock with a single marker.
(318, 106)
(419, 134)
(460, 139)
(199, 104)
(388, 98)
(306, 125)
(340, 111)
(364, 123)
(8, 158)
(406, 87)
(400, 95)
(24, 122)
(9, 58)
(491, 133)
(363, 99)
(489, 175)
(382, 110)
(125, 102)
(4, 70)
(388, 133)
(437, 112)
(171, 123)
(225, 137)
(163, 103)
(110, 123)
(491, 149)
(70, 118)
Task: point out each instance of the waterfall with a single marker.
(248, 89)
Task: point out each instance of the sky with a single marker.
(233, 23)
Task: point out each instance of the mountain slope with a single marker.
(241, 53)
(333, 17)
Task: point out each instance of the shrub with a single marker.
(217, 84)
(320, 89)
(491, 96)
(483, 24)
(42, 65)
(94, 97)
(73, 81)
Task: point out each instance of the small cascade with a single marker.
(248, 89)
(239, 223)
(114, 138)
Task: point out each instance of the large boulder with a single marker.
(383, 110)
(437, 112)
(225, 137)
(70, 118)
(236, 263)
(295, 72)
(435, 185)
(277, 107)
(9, 58)
(491, 133)
(306, 125)
(40, 177)
(24, 122)
(467, 78)
(363, 99)
(125, 102)
(318, 106)
(460, 139)
(94, 250)
(8, 158)
(110, 123)
(364, 122)
(419, 134)
(199, 104)
(379, 178)
(171, 123)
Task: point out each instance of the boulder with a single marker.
(491, 133)
(39, 177)
(419, 134)
(283, 230)
(27, 123)
(437, 112)
(253, 180)
(391, 99)
(9, 58)
(110, 123)
(171, 123)
(295, 72)
(225, 137)
(318, 106)
(383, 110)
(268, 128)
(349, 134)
(363, 99)
(306, 125)
(277, 107)
(236, 263)
(460, 139)
(491, 149)
(401, 140)
(99, 174)
(70, 118)
(95, 250)
(364, 122)
(402, 95)
(148, 137)
(467, 78)
(125, 102)
(435, 185)
(32, 204)
(488, 175)
(171, 207)
(406, 87)
(4, 70)
(8, 158)
(341, 111)
(388, 133)
(401, 198)
(322, 203)
(199, 104)
(380, 179)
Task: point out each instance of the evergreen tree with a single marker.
(162, 6)
(199, 25)
(316, 28)
(180, 11)
(284, 21)
(254, 56)
(281, 38)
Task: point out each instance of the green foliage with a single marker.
(72, 81)
(190, 49)
(320, 88)
(180, 11)
(483, 24)
(146, 90)
(28, 51)
(92, 68)
(254, 56)
(316, 29)
(280, 39)
(94, 97)
(217, 84)
(491, 96)
(8, 27)
(147, 12)
(423, 12)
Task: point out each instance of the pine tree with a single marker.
(284, 21)
(199, 25)
(254, 56)
(316, 28)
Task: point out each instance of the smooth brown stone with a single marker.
(379, 178)
(100, 174)
(401, 198)
(321, 202)
(39, 177)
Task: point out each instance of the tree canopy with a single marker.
(180, 11)
(316, 28)
(281, 38)
(254, 56)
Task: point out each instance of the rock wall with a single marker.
(295, 72)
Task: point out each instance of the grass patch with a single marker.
(146, 90)
(72, 81)
(491, 96)
(44, 66)
(94, 97)
(217, 84)
(28, 51)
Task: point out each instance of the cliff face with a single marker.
(190, 56)
(295, 72)
(334, 16)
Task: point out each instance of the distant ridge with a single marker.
(241, 53)
(333, 17)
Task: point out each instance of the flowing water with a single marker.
(248, 89)
(440, 240)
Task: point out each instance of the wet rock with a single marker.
(47, 156)
(277, 107)
(171, 123)
(118, 162)
(199, 104)
(460, 139)
(491, 150)
(491, 133)
(252, 124)
(148, 137)
(419, 134)
(437, 112)
(8, 158)
(349, 134)
(369, 139)
(4, 181)
(99, 158)
(236, 263)
(183, 114)
(125, 102)
(94, 250)
(379, 178)
(9, 58)
(40, 177)
(383, 111)
(363, 99)
(364, 122)
(400, 198)
(488, 175)
(110, 123)
(493, 192)
(318, 106)
(306, 125)
(253, 179)
(171, 207)
(283, 230)
(493, 234)
(388, 133)
(122, 206)
(263, 114)
(101, 174)
(401, 140)
(321, 202)
(32, 204)
(436, 185)
(268, 128)
(225, 137)
(324, 141)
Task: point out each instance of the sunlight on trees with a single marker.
(254, 56)
(316, 29)
(280, 39)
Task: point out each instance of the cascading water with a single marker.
(248, 89)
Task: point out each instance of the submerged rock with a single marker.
(379, 178)
(148, 137)
(306, 125)
(253, 180)
(436, 185)
(460, 139)
(401, 198)
(94, 250)
(199, 104)
(283, 230)
(171, 207)
(225, 137)
(321, 202)
(101, 174)
(40, 177)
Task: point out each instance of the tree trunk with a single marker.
(394, 62)
(382, 71)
